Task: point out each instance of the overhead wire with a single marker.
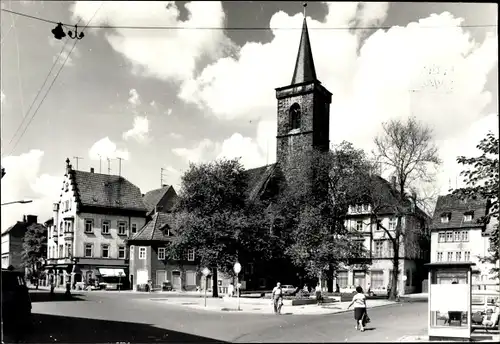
(19, 75)
(53, 81)
(134, 27)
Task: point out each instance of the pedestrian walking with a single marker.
(230, 290)
(359, 302)
(319, 298)
(277, 297)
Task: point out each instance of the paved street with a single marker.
(132, 317)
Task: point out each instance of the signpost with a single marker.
(205, 273)
(237, 269)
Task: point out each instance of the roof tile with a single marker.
(456, 208)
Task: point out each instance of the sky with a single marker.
(163, 98)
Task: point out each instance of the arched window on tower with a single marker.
(295, 116)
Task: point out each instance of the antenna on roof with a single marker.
(100, 163)
(77, 158)
(109, 166)
(119, 166)
(161, 176)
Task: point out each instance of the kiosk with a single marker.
(450, 286)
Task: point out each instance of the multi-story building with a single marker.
(95, 215)
(160, 200)
(12, 242)
(374, 271)
(458, 236)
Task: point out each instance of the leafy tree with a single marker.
(213, 217)
(34, 247)
(312, 206)
(407, 149)
(481, 180)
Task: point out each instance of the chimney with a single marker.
(164, 185)
(91, 170)
(393, 181)
(30, 219)
(68, 166)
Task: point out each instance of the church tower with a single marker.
(303, 108)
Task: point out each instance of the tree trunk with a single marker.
(395, 261)
(215, 287)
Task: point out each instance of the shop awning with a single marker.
(111, 272)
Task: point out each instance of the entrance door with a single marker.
(161, 276)
(360, 279)
(176, 280)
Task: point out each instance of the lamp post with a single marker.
(20, 202)
(205, 273)
(120, 274)
(237, 270)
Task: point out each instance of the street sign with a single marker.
(205, 272)
(237, 267)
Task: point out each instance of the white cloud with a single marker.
(166, 54)
(140, 130)
(23, 182)
(169, 112)
(387, 77)
(2, 97)
(153, 104)
(134, 98)
(175, 135)
(203, 151)
(105, 148)
(172, 176)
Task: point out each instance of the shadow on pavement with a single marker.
(52, 328)
(44, 296)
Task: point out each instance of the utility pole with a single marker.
(162, 171)
(77, 158)
(100, 163)
(119, 166)
(109, 166)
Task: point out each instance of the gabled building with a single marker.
(458, 236)
(94, 216)
(160, 200)
(149, 261)
(12, 242)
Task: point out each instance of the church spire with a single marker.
(304, 66)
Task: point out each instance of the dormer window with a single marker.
(445, 217)
(295, 116)
(468, 216)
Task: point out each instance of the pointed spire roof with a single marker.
(304, 66)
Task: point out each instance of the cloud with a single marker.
(153, 104)
(166, 54)
(62, 49)
(23, 182)
(172, 176)
(175, 135)
(436, 74)
(2, 97)
(169, 112)
(105, 148)
(140, 130)
(204, 151)
(134, 98)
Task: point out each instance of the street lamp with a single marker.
(237, 270)
(20, 202)
(205, 273)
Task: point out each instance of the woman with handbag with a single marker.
(359, 302)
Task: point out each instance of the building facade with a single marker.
(12, 242)
(458, 236)
(95, 215)
(149, 260)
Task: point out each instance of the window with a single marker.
(142, 253)
(133, 227)
(467, 256)
(445, 218)
(359, 225)
(105, 227)
(61, 251)
(366, 208)
(122, 228)
(189, 255)
(121, 252)
(440, 256)
(408, 274)
(61, 228)
(161, 253)
(358, 208)
(88, 250)
(449, 236)
(89, 225)
(467, 217)
(377, 279)
(392, 223)
(442, 237)
(342, 279)
(190, 278)
(458, 256)
(105, 251)
(132, 251)
(450, 256)
(295, 116)
(390, 249)
(465, 236)
(378, 248)
(456, 236)
(69, 251)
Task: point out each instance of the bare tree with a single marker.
(407, 149)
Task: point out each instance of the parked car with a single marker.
(16, 301)
(288, 289)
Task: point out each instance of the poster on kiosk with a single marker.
(449, 305)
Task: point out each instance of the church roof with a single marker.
(258, 179)
(304, 66)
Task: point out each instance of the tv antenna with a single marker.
(162, 171)
(109, 165)
(100, 163)
(119, 166)
(77, 158)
